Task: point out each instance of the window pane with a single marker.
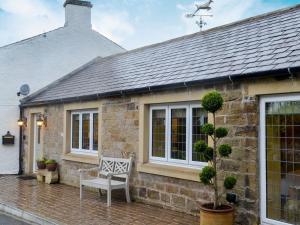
(178, 134)
(86, 131)
(158, 133)
(283, 172)
(95, 131)
(75, 131)
(199, 118)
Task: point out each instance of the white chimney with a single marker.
(78, 14)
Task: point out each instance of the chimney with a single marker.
(78, 14)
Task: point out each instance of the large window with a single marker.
(174, 129)
(280, 159)
(84, 132)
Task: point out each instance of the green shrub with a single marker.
(42, 160)
(209, 154)
(221, 132)
(229, 182)
(207, 174)
(50, 161)
(225, 150)
(200, 146)
(212, 101)
(208, 129)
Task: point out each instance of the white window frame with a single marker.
(167, 159)
(153, 158)
(262, 145)
(79, 150)
(179, 161)
(191, 162)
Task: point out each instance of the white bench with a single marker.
(108, 169)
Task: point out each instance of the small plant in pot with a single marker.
(41, 163)
(51, 165)
(215, 213)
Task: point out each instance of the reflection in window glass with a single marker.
(178, 134)
(283, 161)
(199, 118)
(95, 131)
(158, 133)
(86, 131)
(75, 131)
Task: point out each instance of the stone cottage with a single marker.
(147, 101)
(40, 60)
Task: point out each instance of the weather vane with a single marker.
(205, 6)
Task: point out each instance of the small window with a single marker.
(174, 129)
(84, 132)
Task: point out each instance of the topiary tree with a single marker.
(212, 102)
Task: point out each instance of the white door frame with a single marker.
(35, 135)
(262, 143)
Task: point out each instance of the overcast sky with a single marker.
(131, 23)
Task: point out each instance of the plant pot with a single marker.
(224, 215)
(51, 166)
(41, 165)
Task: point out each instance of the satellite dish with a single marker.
(24, 90)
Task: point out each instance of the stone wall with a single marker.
(120, 132)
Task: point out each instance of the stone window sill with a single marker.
(170, 171)
(89, 159)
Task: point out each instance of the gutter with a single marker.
(280, 73)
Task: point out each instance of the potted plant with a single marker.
(41, 163)
(215, 213)
(51, 165)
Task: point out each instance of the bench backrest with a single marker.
(116, 165)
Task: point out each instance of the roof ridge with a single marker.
(29, 38)
(229, 25)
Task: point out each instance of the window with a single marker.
(84, 132)
(174, 129)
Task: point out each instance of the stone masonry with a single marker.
(120, 127)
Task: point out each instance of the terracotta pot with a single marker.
(51, 166)
(224, 215)
(41, 165)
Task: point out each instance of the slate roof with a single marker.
(270, 42)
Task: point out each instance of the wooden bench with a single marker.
(46, 176)
(109, 169)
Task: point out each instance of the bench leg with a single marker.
(127, 194)
(108, 197)
(81, 191)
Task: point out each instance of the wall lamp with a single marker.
(42, 120)
(22, 122)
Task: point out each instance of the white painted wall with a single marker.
(40, 60)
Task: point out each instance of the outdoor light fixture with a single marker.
(22, 122)
(42, 120)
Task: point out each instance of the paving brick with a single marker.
(61, 203)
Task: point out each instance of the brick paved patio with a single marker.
(61, 204)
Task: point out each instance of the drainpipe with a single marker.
(21, 145)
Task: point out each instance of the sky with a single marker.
(130, 23)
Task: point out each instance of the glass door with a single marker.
(280, 160)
